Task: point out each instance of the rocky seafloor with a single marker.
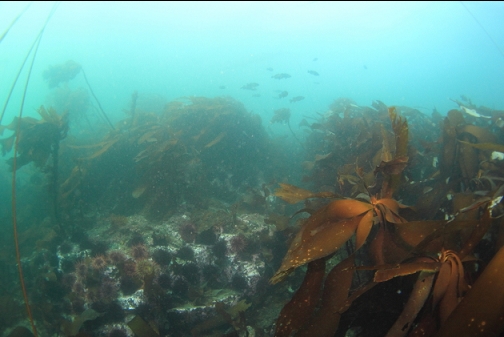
(200, 273)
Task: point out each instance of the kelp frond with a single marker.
(293, 194)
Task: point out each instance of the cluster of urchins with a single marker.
(167, 278)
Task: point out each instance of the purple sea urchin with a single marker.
(237, 244)
(180, 287)
(78, 288)
(164, 281)
(185, 253)
(139, 252)
(129, 268)
(108, 288)
(147, 268)
(188, 232)
(136, 239)
(162, 257)
(92, 295)
(116, 257)
(68, 280)
(81, 269)
(220, 249)
(191, 273)
(129, 285)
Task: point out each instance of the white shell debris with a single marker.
(472, 112)
(496, 155)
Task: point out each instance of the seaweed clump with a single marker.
(195, 148)
(54, 75)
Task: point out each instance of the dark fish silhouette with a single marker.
(281, 76)
(250, 86)
(283, 94)
(296, 99)
(222, 87)
(313, 72)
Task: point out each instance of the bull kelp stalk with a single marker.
(293, 134)
(20, 69)
(97, 101)
(283, 116)
(134, 98)
(13, 22)
(14, 215)
(58, 136)
(496, 45)
(14, 170)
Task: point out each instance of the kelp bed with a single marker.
(443, 250)
(402, 236)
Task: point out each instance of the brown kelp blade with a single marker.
(363, 229)
(347, 208)
(296, 313)
(336, 288)
(103, 149)
(447, 297)
(416, 301)
(414, 232)
(141, 328)
(481, 312)
(319, 237)
(485, 146)
(394, 166)
(385, 273)
(400, 160)
(389, 209)
(443, 231)
(293, 194)
(400, 127)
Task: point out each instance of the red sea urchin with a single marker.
(99, 262)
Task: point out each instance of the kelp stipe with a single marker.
(13, 22)
(97, 101)
(22, 65)
(496, 45)
(283, 116)
(14, 164)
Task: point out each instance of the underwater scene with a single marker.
(251, 169)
